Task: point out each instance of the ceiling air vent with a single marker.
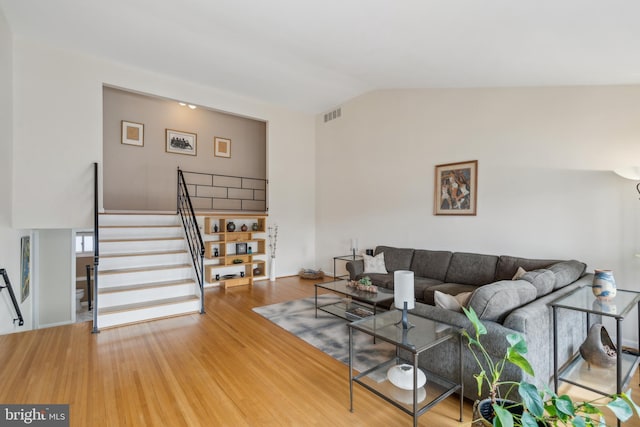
(332, 115)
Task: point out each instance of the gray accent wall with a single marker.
(144, 178)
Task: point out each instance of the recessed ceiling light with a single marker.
(193, 107)
(182, 104)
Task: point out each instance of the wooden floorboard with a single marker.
(228, 367)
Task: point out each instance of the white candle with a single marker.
(403, 289)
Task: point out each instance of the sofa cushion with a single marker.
(396, 258)
(567, 272)
(508, 265)
(451, 302)
(374, 264)
(471, 269)
(496, 300)
(448, 288)
(543, 280)
(431, 264)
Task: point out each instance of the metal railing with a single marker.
(7, 285)
(215, 192)
(96, 250)
(192, 232)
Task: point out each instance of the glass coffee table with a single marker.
(409, 343)
(356, 304)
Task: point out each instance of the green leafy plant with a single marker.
(365, 281)
(538, 407)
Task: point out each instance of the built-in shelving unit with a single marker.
(235, 250)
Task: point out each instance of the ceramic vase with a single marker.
(272, 270)
(231, 226)
(604, 285)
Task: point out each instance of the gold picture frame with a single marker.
(222, 147)
(179, 142)
(456, 188)
(132, 133)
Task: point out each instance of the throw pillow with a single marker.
(521, 272)
(451, 302)
(374, 264)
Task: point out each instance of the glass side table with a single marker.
(424, 335)
(346, 258)
(577, 371)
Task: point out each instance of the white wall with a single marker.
(9, 238)
(544, 161)
(58, 133)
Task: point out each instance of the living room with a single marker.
(546, 152)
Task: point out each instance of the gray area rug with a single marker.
(327, 333)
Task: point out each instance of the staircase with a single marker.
(145, 270)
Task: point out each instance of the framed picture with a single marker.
(132, 133)
(181, 142)
(241, 248)
(222, 147)
(456, 188)
(25, 267)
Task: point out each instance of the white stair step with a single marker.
(133, 294)
(131, 313)
(138, 219)
(131, 276)
(133, 246)
(149, 259)
(140, 232)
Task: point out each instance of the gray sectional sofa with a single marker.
(504, 305)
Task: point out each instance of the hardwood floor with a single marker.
(228, 367)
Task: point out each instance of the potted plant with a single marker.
(537, 407)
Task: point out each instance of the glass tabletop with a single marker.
(383, 295)
(424, 334)
(582, 299)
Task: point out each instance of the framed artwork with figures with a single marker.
(456, 188)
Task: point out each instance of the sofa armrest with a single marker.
(354, 268)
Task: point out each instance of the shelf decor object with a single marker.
(402, 376)
(404, 298)
(598, 349)
(604, 285)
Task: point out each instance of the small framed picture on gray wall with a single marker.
(456, 188)
(222, 147)
(179, 142)
(132, 133)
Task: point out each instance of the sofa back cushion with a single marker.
(567, 272)
(496, 300)
(431, 264)
(508, 265)
(396, 258)
(543, 280)
(471, 269)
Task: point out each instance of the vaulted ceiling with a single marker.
(311, 55)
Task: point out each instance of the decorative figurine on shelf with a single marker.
(231, 226)
(244, 227)
(217, 277)
(242, 274)
(249, 250)
(215, 228)
(215, 252)
(254, 227)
